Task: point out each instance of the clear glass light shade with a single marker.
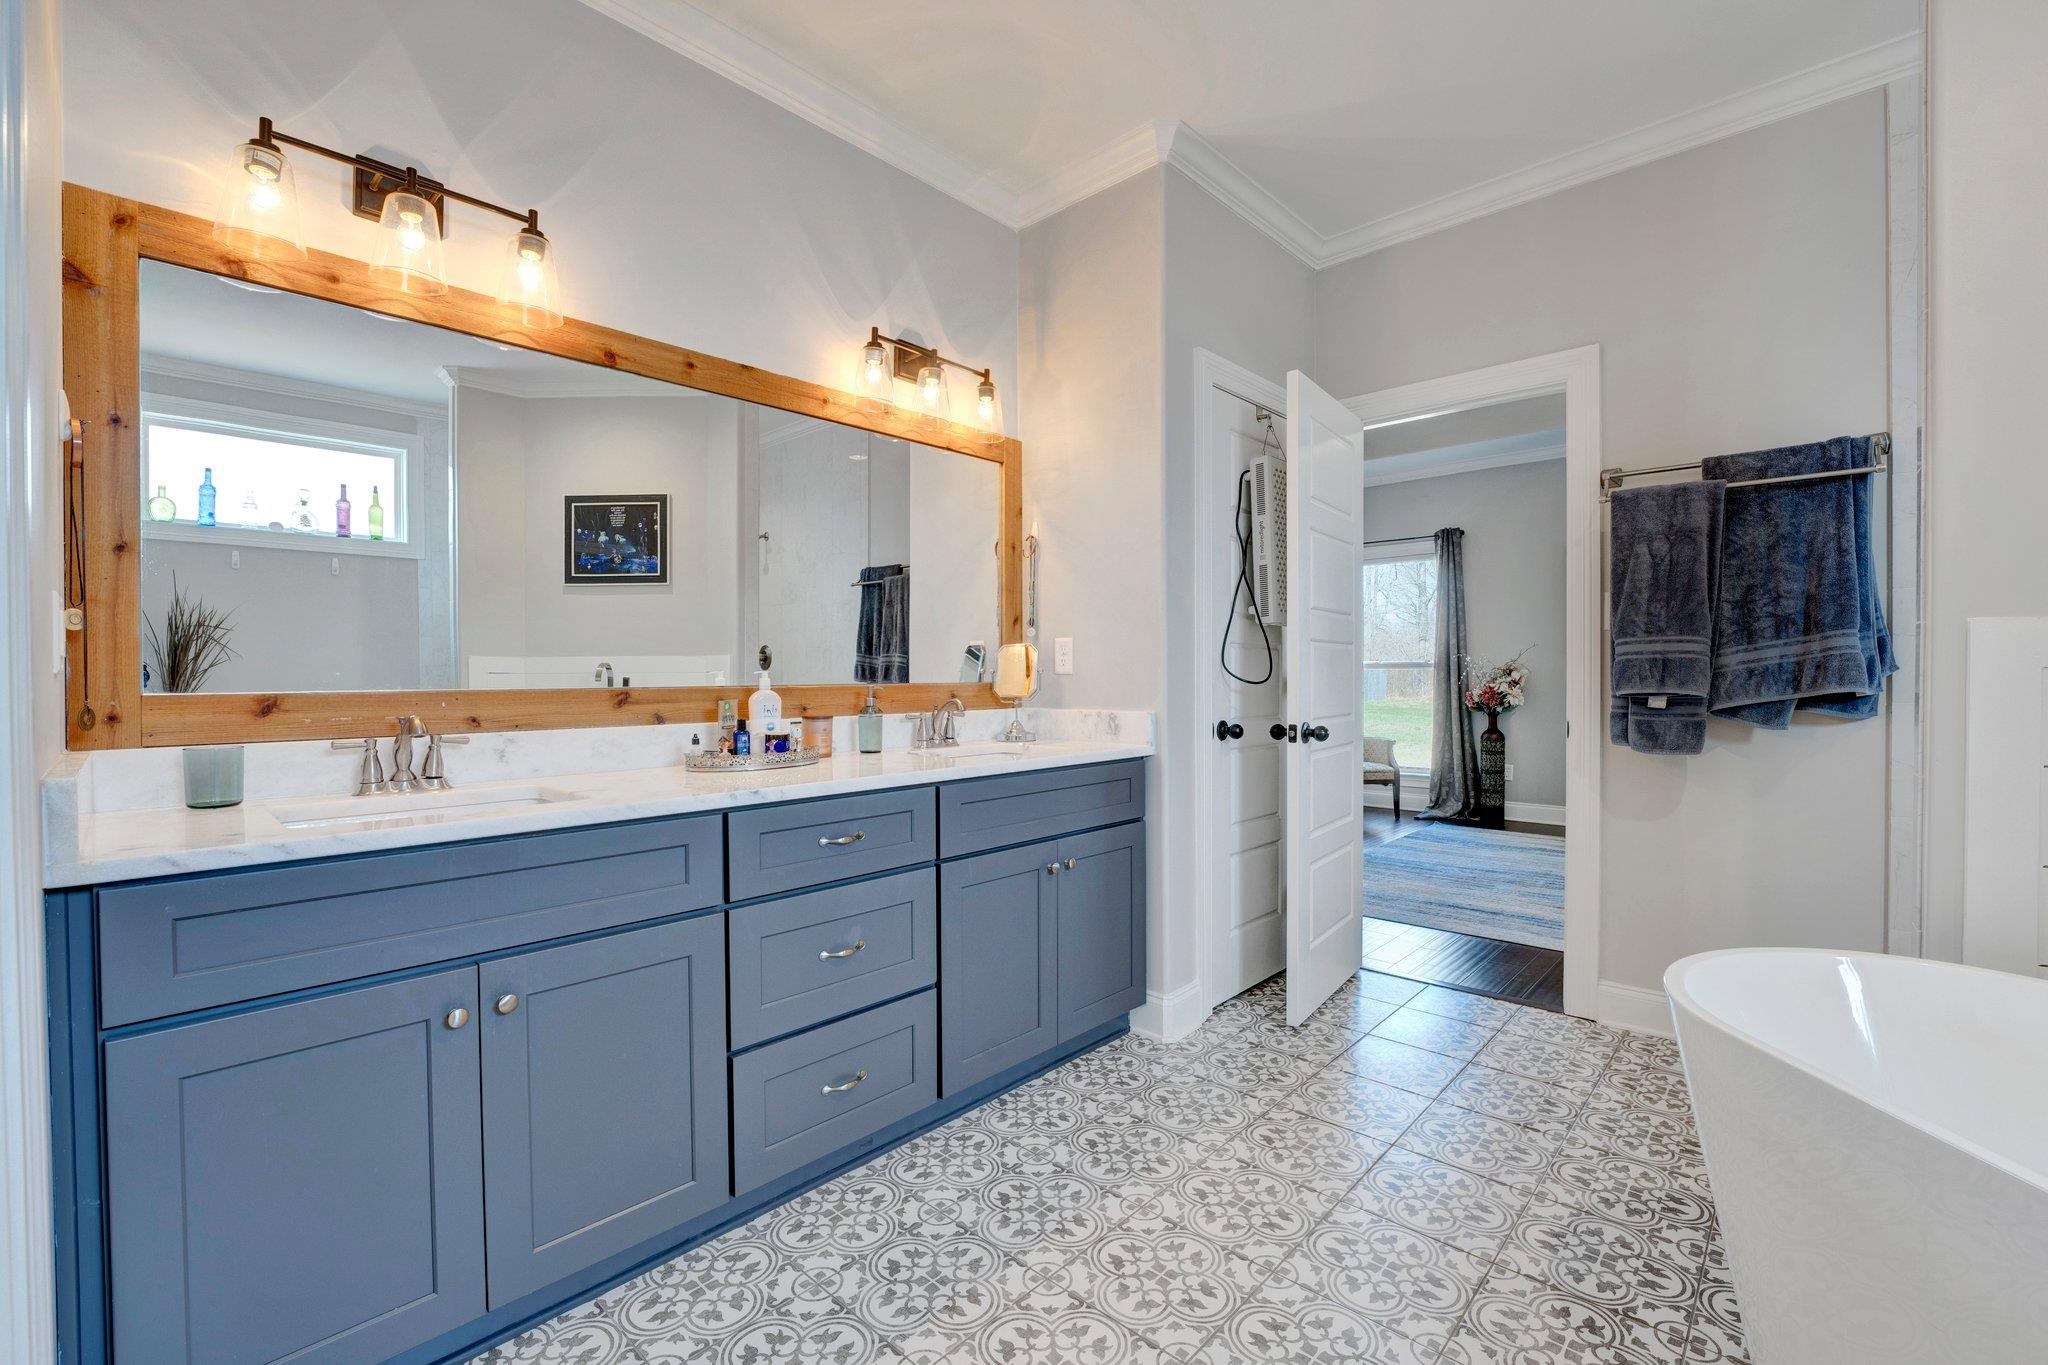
(931, 392)
(988, 408)
(259, 205)
(409, 246)
(529, 286)
(874, 377)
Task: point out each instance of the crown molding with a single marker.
(1500, 452)
(1753, 108)
(1144, 147)
(717, 46)
(155, 365)
(1197, 158)
(521, 384)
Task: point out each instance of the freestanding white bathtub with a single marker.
(1876, 1130)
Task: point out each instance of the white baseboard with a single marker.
(1632, 1007)
(1412, 800)
(1171, 1017)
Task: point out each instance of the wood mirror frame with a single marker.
(105, 239)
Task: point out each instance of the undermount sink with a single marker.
(415, 808)
(973, 753)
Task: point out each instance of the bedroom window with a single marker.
(1399, 619)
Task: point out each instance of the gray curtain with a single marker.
(1454, 763)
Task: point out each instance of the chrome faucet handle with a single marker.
(370, 775)
(920, 730)
(403, 779)
(432, 775)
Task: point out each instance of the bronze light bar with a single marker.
(375, 180)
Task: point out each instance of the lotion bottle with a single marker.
(764, 709)
(867, 725)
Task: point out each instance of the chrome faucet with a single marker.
(940, 729)
(370, 777)
(432, 775)
(603, 674)
(403, 778)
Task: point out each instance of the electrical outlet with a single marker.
(1063, 654)
(1509, 774)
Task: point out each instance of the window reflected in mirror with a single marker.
(379, 504)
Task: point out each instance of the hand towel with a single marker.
(882, 651)
(1799, 624)
(1664, 551)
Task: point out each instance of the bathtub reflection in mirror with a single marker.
(381, 504)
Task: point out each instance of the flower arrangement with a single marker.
(1494, 688)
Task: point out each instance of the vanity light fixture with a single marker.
(884, 360)
(259, 217)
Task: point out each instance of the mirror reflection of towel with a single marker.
(882, 653)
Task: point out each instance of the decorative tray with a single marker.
(715, 762)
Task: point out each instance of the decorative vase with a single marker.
(1493, 776)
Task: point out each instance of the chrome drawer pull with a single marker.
(858, 1077)
(825, 956)
(1068, 864)
(843, 840)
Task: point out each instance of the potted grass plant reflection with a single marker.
(193, 643)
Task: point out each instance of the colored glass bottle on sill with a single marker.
(341, 510)
(376, 515)
(161, 508)
(206, 499)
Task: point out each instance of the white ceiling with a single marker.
(1336, 125)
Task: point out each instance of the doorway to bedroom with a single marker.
(1463, 701)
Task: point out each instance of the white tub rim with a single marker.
(1679, 996)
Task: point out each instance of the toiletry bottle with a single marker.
(867, 726)
(742, 742)
(341, 510)
(161, 508)
(764, 709)
(728, 720)
(818, 735)
(252, 511)
(376, 515)
(206, 499)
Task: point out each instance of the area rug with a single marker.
(1490, 882)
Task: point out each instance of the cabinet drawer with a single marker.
(784, 848)
(994, 812)
(171, 946)
(809, 957)
(806, 1097)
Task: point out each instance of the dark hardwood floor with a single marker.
(1464, 962)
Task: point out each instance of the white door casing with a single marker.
(1324, 823)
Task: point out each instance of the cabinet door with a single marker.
(303, 1181)
(997, 979)
(604, 1097)
(1102, 927)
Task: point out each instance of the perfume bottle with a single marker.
(341, 514)
(302, 510)
(376, 515)
(206, 497)
(252, 511)
(161, 508)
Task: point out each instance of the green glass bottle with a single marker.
(161, 508)
(376, 515)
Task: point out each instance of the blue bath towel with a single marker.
(1799, 624)
(1664, 555)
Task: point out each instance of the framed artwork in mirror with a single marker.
(615, 538)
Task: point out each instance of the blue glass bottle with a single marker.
(206, 499)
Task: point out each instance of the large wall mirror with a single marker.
(387, 515)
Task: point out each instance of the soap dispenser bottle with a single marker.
(867, 725)
(764, 710)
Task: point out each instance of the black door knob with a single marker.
(1282, 732)
(1318, 733)
(1228, 730)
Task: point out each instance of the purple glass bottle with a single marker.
(341, 514)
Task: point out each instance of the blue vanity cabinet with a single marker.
(303, 1181)
(604, 1097)
(1101, 889)
(998, 974)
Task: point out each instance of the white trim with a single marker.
(716, 45)
(1171, 1017)
(199, 371)
(2005, 810)
(1632, 1007)
(599, 383)
(1752, 108)
(1472, 457)
(1145, 146)
(1577, 374)
(1520, 812)
(1194, 718)
(1197, 158)
(262, 538)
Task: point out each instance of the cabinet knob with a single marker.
(1052, 869)
(1068, 864)
(505, 1004)
(827, 955)
(858, 1077)
(456, 1017)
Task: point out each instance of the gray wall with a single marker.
(1514, 594)
(1737, 292)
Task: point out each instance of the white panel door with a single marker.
(1324, 823)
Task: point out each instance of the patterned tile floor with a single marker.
(1414, 1177)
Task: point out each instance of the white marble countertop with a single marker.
(123, 845)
